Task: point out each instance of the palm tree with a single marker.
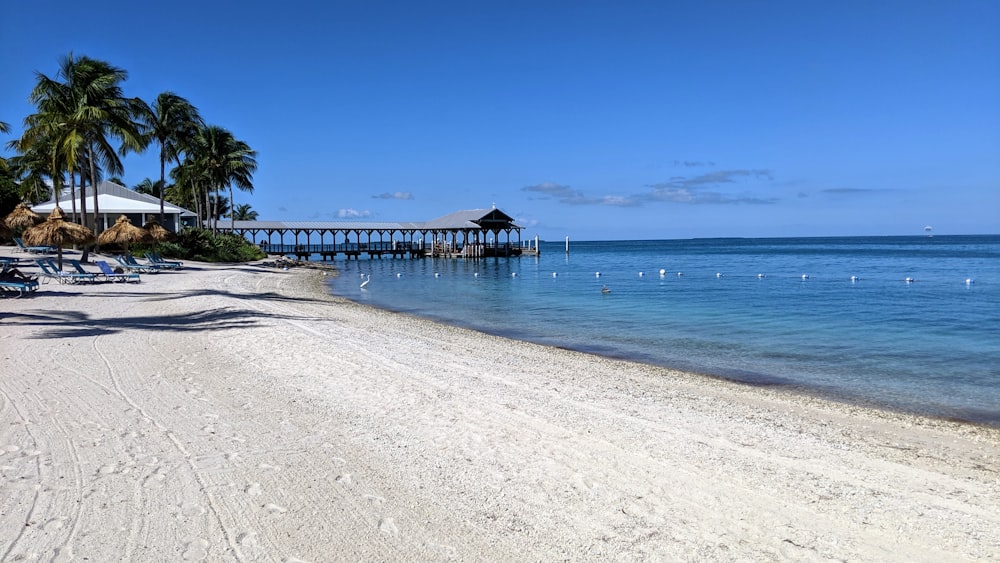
(242, 212)
(31, 166)
(172, 122)
(220, 207)
(222, 161)
(4, 128)
(83, 113)
(148, 187)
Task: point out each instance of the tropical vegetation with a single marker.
(84, 123)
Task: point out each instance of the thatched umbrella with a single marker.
(122, 233)
(56, 231)
(159, 232)
(21, 218)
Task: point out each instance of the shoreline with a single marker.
(242, 412)
(989, 420)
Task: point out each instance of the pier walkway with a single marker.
(475, 233)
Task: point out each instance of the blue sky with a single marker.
(594, 120)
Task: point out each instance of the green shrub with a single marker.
(202, 245)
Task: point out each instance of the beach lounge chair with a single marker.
(109, 273)
(129, 263)
(51, 271)
(155, 259)
(98, 276)
(33, 249)
(18, 286)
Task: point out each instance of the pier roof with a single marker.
(471, 219)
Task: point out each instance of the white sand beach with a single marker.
(238, 413)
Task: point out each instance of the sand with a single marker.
(237, 412)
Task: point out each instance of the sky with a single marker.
(594, 120)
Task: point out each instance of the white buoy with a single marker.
(437, 275)
(513, 274)
(969, 281)
(475, 275)
(399, 275)
(718, 274)
(909, 280)
(854, 279)
(597, 274)
(761, 276)
(555, 274)
(805, 276)
(679, 274)
(641, 274)
(663, 272)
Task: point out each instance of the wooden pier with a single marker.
(472, 234)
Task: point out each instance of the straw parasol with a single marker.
(122, 233)
(159, 232)
(21, 218)
(56, 231)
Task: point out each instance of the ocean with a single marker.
(905, 323)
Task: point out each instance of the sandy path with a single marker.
(237, 413)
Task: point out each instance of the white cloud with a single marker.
(393, 195)
(352, 214)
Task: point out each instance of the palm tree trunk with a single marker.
(93, 185)
(83, 210)
(232, 209)
(72, 192)
(83, 201)
(197, 203)
(162, 183)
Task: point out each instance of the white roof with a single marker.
(115, 199)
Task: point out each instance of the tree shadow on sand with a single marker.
(73, 324)
(209, 292)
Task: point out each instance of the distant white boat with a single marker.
(928, 230)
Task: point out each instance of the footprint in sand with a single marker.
(388, 527)
(344, 479)
(275, 509)
(54, 524)
(192, 509)
(195, 550)
(63, 554)
(155, 478)
(253, 489)
(248, 540)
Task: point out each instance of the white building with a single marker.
(114, 200)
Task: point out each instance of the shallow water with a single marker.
(741, 309)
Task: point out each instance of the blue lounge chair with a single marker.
(13, 281)
(98, 276)
(33, 249)
(108, 272)
(155, 259)
(19, 286)
(51, 271)
(133, 266)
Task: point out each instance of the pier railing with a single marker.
(397, 248)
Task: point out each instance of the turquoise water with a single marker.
(741, 310)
